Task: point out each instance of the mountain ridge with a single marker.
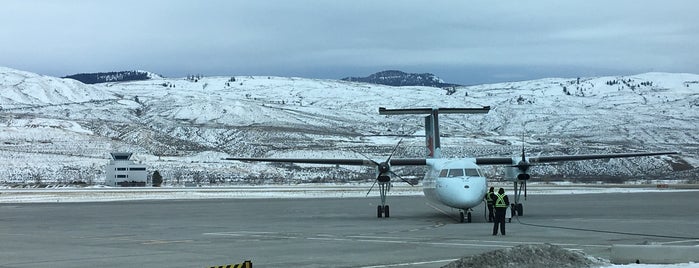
(114, 76)
(398, 78)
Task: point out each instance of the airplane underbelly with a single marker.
(458, 192)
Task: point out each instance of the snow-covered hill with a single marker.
(61, 130)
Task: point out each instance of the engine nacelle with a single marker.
(514, 173)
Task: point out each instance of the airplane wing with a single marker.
(351, 162)
(560, 158)
(331, 161)
(383, 168)
(423, 161)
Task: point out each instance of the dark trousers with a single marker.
(491, 217)
(499, 220)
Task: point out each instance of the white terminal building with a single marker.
(122, 171)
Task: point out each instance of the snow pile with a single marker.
(528, 256)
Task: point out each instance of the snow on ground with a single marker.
(330, 190)
(106, 194)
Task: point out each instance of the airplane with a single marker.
(455, 182)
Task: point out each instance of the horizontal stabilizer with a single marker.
(482, 110)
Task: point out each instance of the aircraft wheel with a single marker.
(520, 209)
(379, 211)
(461, 216)
(468, 217)
(386, 212)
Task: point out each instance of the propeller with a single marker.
(384, 171)
(523, 165)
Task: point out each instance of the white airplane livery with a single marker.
(455, 182)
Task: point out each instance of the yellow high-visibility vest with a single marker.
(500, 202)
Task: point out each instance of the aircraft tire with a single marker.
(461, 216)
(468, 217)
(379, 211)
(386, 212)
(520, 210)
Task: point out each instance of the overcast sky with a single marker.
(465, 42)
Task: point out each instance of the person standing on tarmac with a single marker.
(490, 201)
(501, 204)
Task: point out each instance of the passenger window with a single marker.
(456, 172)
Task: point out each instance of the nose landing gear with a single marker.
(465, 216)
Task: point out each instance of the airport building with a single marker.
(122, 171)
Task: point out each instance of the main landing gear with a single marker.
(384, 186)
(464, 217)
(517, 208)
(382, 211)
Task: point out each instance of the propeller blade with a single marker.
(394, 150)
(406, 181)
(365, 156)
(372, 187)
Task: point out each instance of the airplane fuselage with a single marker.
(457, 183)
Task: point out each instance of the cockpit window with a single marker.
(472, 172)
(456, 173)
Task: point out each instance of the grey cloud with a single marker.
(495, 39)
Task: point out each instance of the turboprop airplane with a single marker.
(455, 182)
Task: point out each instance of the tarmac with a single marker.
(327, 232)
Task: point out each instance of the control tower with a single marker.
(122, 171)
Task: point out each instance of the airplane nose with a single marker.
(464, 192)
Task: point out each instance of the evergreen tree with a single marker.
(157, 179)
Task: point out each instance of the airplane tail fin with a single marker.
(432, 135)
(432, 123)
